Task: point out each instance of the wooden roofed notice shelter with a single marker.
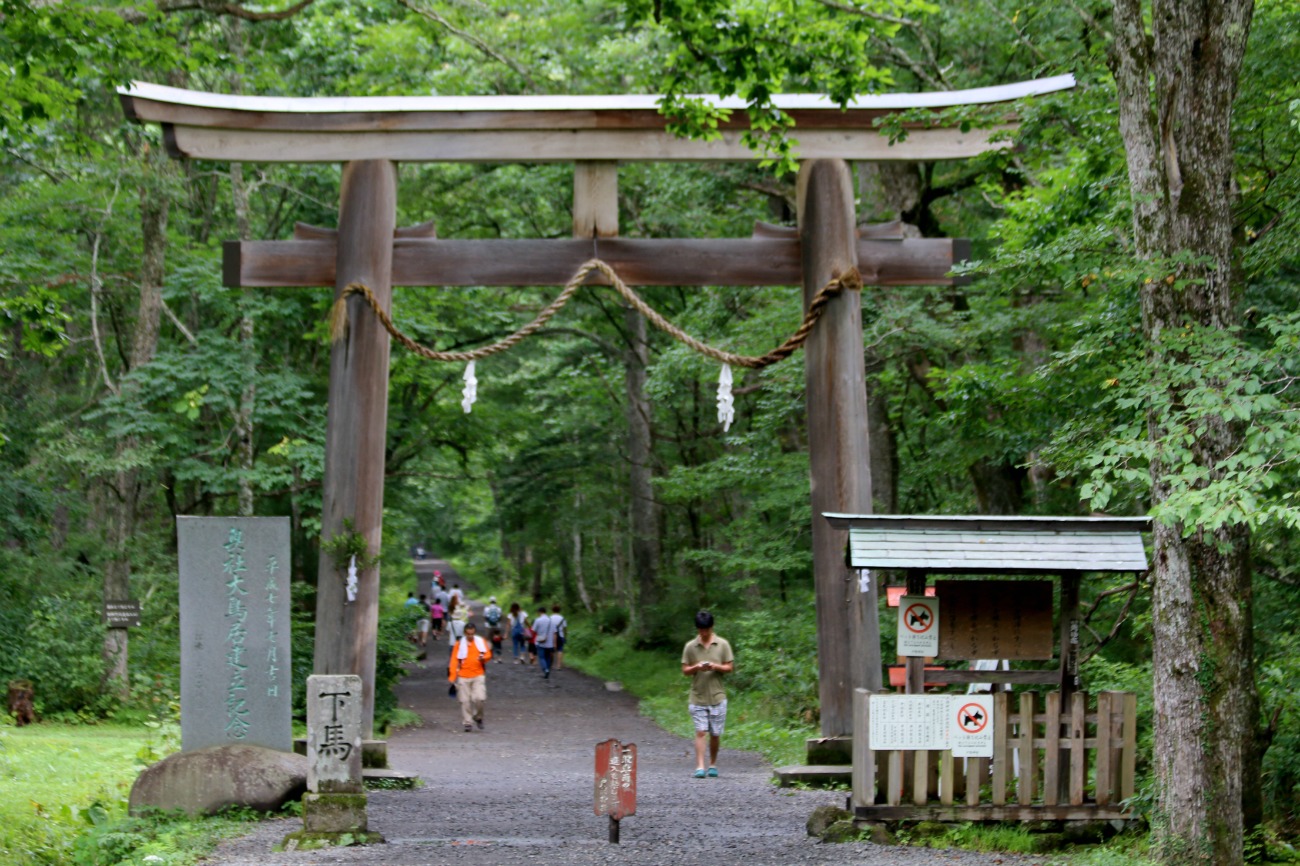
(1011, 619)
(370, 135)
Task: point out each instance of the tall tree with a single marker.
(1176, 85)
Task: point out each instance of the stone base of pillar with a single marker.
(830, 750)
(331, 820)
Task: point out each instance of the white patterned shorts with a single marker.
(711, 719)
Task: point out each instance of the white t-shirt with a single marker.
(545, 628)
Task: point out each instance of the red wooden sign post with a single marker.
(615, 783)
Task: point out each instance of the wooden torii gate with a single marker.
(371, 134)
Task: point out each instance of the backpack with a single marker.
(492, 615)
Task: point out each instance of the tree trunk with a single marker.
(1180, 161)
(125, 498)
(245, 446)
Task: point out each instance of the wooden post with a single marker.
(353, 487)
(915, 665)
(1069, 626)
(864, 760)
(848, 638)
(595, 199)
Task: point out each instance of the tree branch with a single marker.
(217, 7)
(472, 40)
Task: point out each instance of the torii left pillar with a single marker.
(356, 429)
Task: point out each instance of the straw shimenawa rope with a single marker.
(850, 281)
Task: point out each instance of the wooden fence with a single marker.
(1049, 763)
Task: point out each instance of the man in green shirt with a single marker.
(705, 659)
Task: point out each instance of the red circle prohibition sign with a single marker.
(972, 718)
(924, 618)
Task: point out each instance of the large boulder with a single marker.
(206, 781)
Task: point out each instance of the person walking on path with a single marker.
(705, 659)
(544, 625)
(518, 621)
(467, 671)
(436, 613)
(492, 616)
(561, 626)
(457, 619)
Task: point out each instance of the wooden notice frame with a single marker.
(996, 619)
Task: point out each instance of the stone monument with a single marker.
(334, 807)
(236, 687)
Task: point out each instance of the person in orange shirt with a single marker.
(467, 671)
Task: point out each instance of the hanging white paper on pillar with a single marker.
(726, 404)
(352, 578)
(470, 394)
(864, 580)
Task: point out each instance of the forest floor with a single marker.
(521, 791)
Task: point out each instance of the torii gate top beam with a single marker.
(540, 128)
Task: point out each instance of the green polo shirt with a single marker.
(706, 686)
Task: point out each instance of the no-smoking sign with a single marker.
(970, 733)
(918, 626)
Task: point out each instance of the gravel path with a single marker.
(520, 792)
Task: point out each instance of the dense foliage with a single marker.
(1024, 391)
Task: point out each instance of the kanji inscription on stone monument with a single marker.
(334, 733)
(234, 632)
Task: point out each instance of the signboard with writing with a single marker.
(122, 614)
(918, 626)
(615, 779)
(234, 604)
(908, 721)
(963, 723)
(334, 733)
(996, 619)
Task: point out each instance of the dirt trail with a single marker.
(521, 791)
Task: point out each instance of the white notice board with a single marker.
(908, 721)
(963, 723)
(918, 626)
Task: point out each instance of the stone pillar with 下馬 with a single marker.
(334, 807)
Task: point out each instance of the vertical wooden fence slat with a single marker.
(932, 781)
(977, 770)
(894, 795)
(1104, 780)
(1129, 758)
(864, 760)
(1001, 747)
(1078, 754)
(947, 784)
(1026, 785)
(1052, 752)
(920, 776)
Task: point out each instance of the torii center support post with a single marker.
(848, 640)
(356, 427)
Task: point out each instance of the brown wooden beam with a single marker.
(355, 430)
(1040, 677)
(638, 261)
(1085, 812)
(848, 639)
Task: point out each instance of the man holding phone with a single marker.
(705, 659)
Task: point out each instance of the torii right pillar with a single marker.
(848, 630)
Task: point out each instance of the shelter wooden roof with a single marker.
(540, 128)
(995, 545)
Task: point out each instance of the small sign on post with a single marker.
(918, 626)
(122, 614)
(971, 734)
(615, 783)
